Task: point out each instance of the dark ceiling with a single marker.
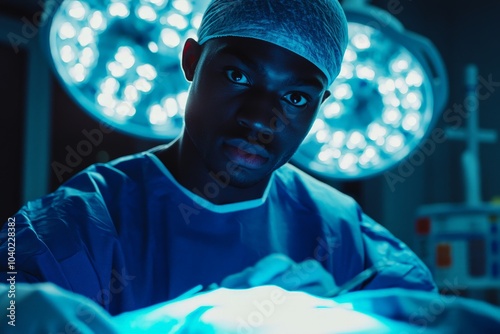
(22, 7)
(19, 8)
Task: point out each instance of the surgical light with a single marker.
(391, 89)
(120, 60)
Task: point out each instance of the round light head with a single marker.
(120, 60)
(383, 104)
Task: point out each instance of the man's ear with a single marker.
(326, 96)
(190, 57)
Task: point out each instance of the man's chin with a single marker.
(245, 179)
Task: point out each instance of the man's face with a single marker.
(250, 106)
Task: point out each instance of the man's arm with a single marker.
(278, 269)
(398, 266)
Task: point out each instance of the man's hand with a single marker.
(277, 269)
(47, 308)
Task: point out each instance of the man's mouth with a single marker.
(245, 154)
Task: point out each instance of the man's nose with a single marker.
(256, 112)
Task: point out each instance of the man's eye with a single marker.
(237, 77)
(296, 99)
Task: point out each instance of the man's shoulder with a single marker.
(309, 190)
(294, 178)
(126, 164)
(94, 189)
(121, 170)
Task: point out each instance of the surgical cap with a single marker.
(313, 29)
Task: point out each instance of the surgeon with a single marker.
(220, 205)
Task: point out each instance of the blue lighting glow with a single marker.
(383, 103)
(120, 60)
(264, 309)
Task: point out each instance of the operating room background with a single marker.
(463, 31)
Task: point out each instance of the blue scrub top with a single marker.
(127, 235)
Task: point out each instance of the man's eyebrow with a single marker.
(231, 51)
(311, 81)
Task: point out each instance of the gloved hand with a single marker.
(47, 308)
(278, 269)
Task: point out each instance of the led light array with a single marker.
(379, 110)
(121, 60)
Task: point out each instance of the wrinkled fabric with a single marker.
(315, 30)
(127, 235)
